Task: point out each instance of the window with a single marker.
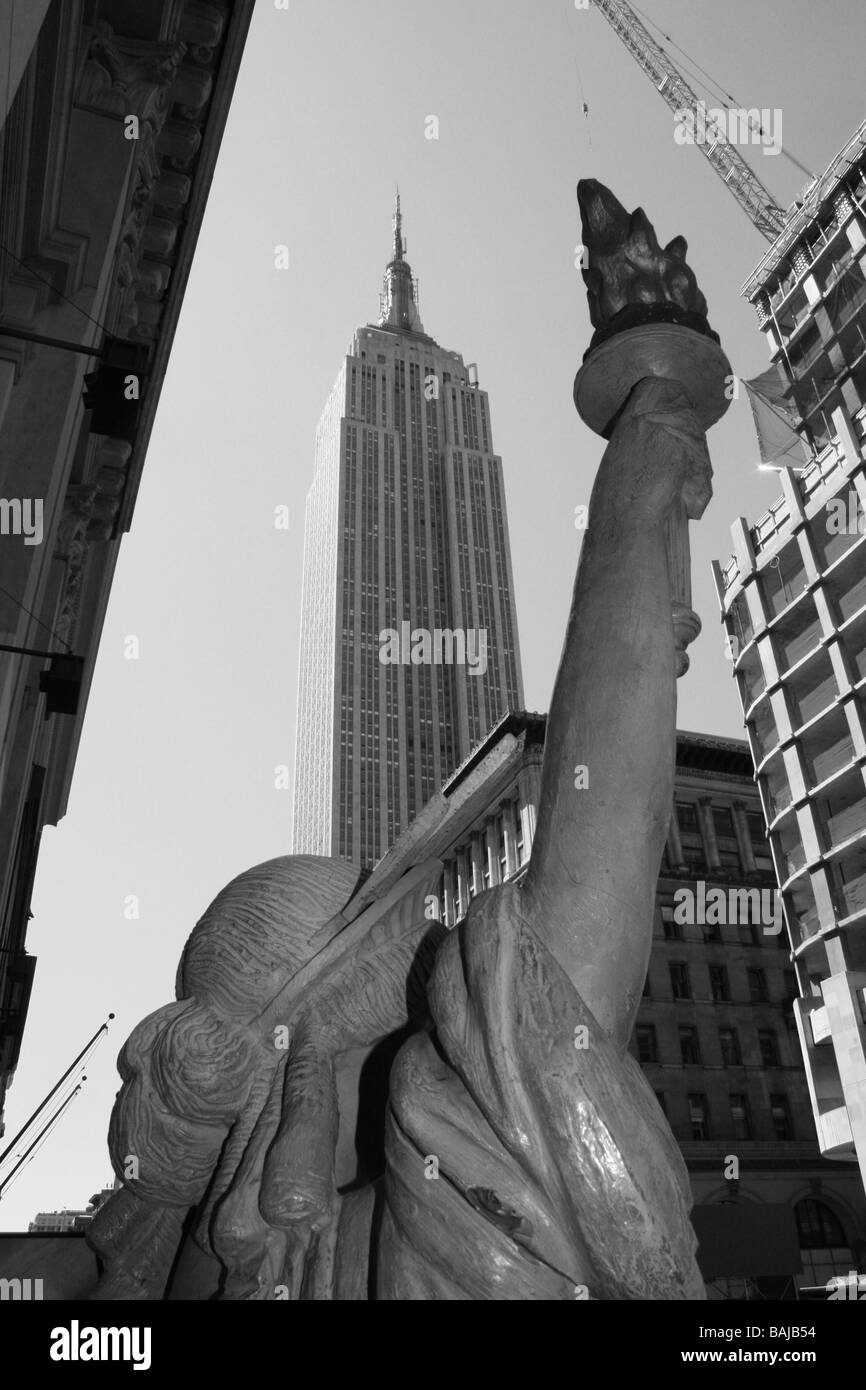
(723, 822)
(690, 1047)
(740, 1117)
(781, 1113)
(693, 857)
(817, 1225)
(699, 1116)
(757, 831)
(757, 986)
(519, 841)
(720, 988)
(729, 1043)
(824, 1246)
(647, 1044)
(660, 1097)
(687, 817)
(680, 983)
(769, 1047)
(673, 930)
(791, 990)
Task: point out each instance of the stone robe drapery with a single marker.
(558, 1176)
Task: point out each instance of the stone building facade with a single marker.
(110, 130)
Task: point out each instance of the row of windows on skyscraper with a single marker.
(368, 400)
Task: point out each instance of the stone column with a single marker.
(476, 859)
(449, 905)
(509, 831)
(490, 845)
(527, 786)
(675, 844)
(744, 839)
(708, 833)
(462, 885)
(686, 622)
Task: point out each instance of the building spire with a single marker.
(397, 222)
(398, 307)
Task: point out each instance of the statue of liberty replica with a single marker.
(524, 1155)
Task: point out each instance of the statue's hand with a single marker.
(659, 452)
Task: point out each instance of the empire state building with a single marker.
(409, 650)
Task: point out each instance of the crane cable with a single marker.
(715, 90)
(584, 105)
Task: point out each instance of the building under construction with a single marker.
(793, 600)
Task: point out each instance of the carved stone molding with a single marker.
(71, 547)
(109, 466)
(89, 515)
(128, 76)
(201, 27)
(191, 90)
(179, 143)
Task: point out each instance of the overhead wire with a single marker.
(32, 615)
(45, 281)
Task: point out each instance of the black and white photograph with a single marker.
(432, 672)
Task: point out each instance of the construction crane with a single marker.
(758, 204)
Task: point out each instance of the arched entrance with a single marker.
(824, 1246)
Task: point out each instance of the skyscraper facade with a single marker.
(409, 651)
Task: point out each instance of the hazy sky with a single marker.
(173, 792)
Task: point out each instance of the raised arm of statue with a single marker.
(652, 382)
(607, 781)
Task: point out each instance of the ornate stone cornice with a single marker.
(127, 76)
(701, 774)
(89, 514)
(169, 146)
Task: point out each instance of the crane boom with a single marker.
(740, 178)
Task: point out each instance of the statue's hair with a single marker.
(256, 933)
(167, 1116)
(189, 1067)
